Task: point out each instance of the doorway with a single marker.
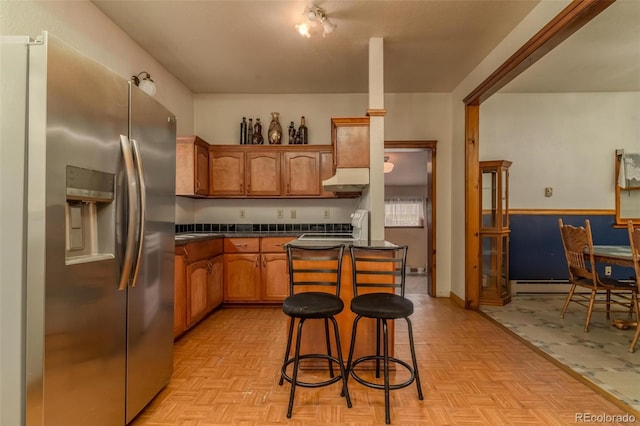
(412, 182)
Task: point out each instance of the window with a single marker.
(404, 212)
(627, 188)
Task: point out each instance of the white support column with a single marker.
(374, 197)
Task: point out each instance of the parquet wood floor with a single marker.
(472, 371)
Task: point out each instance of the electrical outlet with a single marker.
(242, 214)
(548, 192)
(326, 213)
(293, 214)
(607, 270)
(280, 214)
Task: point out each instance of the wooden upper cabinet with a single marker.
(350, 137)
(227, 172)
(270, 171)
(326, 171)
(301, 173)
(192, 166)
(262, 170)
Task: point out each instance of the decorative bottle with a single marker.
(304, 132)
(292, 134)
(274, 134)
(243, 131)
(250, 131)
(257, 133)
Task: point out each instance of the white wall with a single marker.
(83, 26)
(565, 141)
(410, 116)
(537, 18)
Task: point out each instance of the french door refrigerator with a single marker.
(98, 209)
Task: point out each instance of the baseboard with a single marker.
(456, 299)
(543, 286)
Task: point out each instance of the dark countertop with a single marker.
(347, 243)
(182, 239)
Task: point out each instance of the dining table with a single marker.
(614, 255)
(621, 256)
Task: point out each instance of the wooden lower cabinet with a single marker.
(197, 283)
(242, 277)
(179, 295)
(256, 270)
(215, 287)
(274, 277)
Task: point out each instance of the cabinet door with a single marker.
(179, 296)
(226, 172)
(197, 282)
(215, 287)
(326, 171)
(242, 277)
(275, 277)
(302, 173)
(192, 166)
(263, 173)
(201, 185)
(350, 141)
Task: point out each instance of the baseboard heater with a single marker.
(541, 286)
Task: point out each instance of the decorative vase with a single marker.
(257, 133)
(274, 134)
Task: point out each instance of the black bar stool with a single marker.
(315, 268)
(380, 267)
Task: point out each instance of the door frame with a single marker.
(569, 20)
(427, 145)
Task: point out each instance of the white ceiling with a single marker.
(251, 46)
(603, 56)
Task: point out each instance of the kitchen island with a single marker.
(313, 338)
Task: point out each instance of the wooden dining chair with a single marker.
(578, 249)
(634, 241)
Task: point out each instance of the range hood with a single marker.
(347, 180)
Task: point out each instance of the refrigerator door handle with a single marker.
(143, 205)
(127, 263)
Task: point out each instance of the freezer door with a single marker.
(76, 317)
(150, 294)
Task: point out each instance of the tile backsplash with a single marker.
(263, 227)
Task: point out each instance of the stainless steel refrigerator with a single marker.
(99, 218)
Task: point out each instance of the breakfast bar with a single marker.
(313, 340)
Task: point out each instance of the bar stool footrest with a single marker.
(327, 382)
(392, 386)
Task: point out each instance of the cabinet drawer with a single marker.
(241, 245)
(274, 244)
(203, 249)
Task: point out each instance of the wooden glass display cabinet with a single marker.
(494, 233)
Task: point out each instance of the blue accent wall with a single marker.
(535, 247)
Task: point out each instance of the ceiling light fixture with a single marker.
(145, 84)
(388, 165)
(314, 16)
